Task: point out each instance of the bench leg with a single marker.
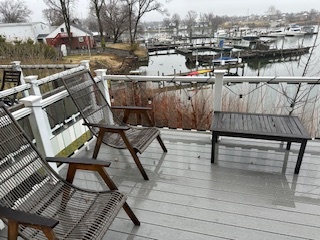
(300, 156)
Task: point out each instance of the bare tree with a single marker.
(53, 16)
(176, 20)
(166, 22)
(273, 13)
(97, 5)
(65, 8)
(115, 16)
(137, 9)
(190, 21)
(214, 21)
(14, 11)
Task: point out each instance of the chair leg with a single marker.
(98, 144)
(162, 144)
(12, 230)
(105, 176)
(135, 157)
(49, 234)
(138, 163)
(131, 214)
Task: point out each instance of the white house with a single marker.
(36, 31)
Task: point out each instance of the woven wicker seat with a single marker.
(38, 204)
(103, 122)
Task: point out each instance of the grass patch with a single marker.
(70, 149)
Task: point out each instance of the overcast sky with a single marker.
(218, 7)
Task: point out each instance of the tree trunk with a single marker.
(66, 19)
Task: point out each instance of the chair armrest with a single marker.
(132, 108)
(84, 161)
(27, 219)
(139, 111)
(106, 126)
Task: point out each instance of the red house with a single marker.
(80, 38)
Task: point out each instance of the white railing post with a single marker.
(39, 124)
(34, 90)
(101, 73)
(17, 67)
(218, 85)
(85, 63)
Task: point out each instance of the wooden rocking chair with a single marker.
(104, 124)
(36, 203)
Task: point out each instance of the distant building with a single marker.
(36, 31)
(80, 38)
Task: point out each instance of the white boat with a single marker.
(294, 30)
(221, 33)
(277, 33)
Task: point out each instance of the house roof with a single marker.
(21, 24)
(82, 29)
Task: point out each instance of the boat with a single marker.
(276, 33)
(202, 71)
(226, 60)
(294, 30)
(250, 37)
(221, 33)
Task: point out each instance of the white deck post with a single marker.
(32, 79)
(101, 73)
(85, 63)
(17, 67)
(218, 85)
(39, 124)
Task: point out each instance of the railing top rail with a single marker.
(59, 75)
(211, 79)
(14, 90)
(42, 66)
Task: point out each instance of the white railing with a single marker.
(39, 118)
(48, 144)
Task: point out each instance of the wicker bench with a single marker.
(36, 203)
(260, 126)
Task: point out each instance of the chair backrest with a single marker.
(89, 100)
(22, 169)
(10, 79)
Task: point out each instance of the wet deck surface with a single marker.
(251, 192)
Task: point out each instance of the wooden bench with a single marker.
(36, 203)
(260, 126)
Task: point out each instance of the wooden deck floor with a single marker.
(251, 191)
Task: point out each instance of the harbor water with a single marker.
(168, 62)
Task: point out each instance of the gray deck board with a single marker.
(247, 194)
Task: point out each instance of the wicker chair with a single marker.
(36, 203)
(105, 124)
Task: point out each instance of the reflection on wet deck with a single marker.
(251, 192)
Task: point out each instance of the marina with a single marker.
(199, 53)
